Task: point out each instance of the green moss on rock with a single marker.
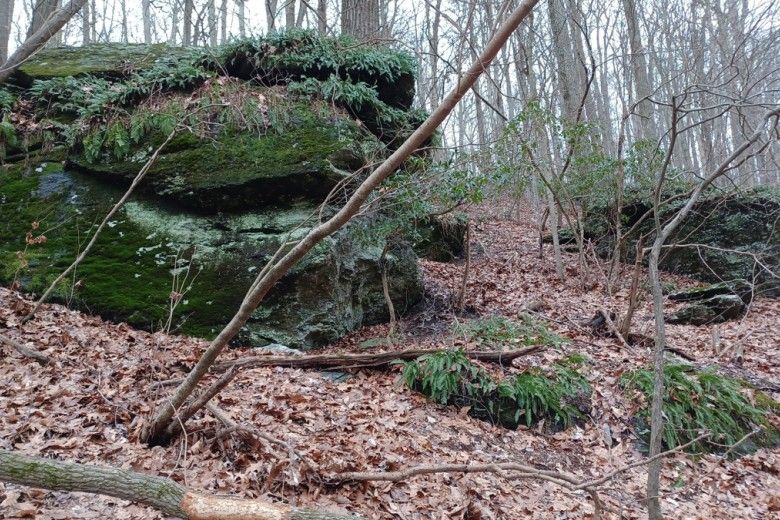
(241, 171)
(110, 60)
(128, 276)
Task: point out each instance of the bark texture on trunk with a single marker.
(361, 19)
(6, 15)
(161, 493)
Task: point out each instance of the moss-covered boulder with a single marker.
(110, 60)
(442, 238)
(251, 161)
(157, 266)
(238, 171)
(729, 237)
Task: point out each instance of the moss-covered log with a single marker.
(160, 493)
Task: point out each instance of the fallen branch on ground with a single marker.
(370, 360)
(26, 352)
(252, 435)
(202, 400)
(509, 470)
(160, 493)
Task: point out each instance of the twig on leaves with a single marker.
(250, 433)
(26, 352)
(202, 400)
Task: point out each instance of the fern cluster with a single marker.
(299, 53)
(92, 111)
(7, 99)
(8, 135)
(560, 395)
(499, 331)
(696, 402)
(87, 96)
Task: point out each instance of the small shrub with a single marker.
(696, 402)
(560, 395)
(501, 332)
(447, 377)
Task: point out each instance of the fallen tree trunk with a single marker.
(370, 360)
(160, 493)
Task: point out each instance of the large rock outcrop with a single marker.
(729, 237)
(152, 249)
(244, 176)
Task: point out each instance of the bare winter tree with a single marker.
(6, 15)
(51, 26)
(42, 11)
(187, 37)
(361, 19)
(271, 13)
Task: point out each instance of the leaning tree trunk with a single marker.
(41, 12)
(161, 493)
(54, 23)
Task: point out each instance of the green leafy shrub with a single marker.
(447, 377)
(7, 100)
(499, 331)
(70, 95)
(696, 402)
(87, 96)
(167, 75)
(560, 395)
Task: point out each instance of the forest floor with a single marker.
(90, 404)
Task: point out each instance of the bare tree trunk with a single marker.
(564, 52)
(125, 31)
(6, 16)
(270, 13)
(223, 16)
(54, 23)
(278, 267)
(322, 16)
(241, 18)
(42, 11)
(361, 19)
(86, 30)
(187, 31)
(161, 493)
(212, 20)
(662, 235)
(146, 16)
(289, 14)
(644, 108)
(174, 23)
